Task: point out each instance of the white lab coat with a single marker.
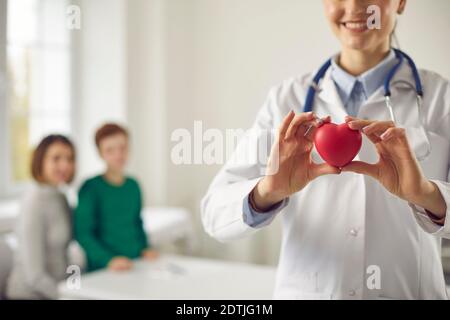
(339, 226)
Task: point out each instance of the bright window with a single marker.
(39, 79)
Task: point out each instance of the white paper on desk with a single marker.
(167, 271)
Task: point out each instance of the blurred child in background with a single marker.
(108, 221)
(44, 228)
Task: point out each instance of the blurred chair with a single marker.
(76, 255)
(169, 224)
(9, 211)
(8, 214)
(6, 260)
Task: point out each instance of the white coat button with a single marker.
(352, 293)
(354, 232)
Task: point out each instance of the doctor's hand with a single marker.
(290, 166)
(397, 169)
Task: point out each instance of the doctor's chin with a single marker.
(215, 158)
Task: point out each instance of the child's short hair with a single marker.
(37, 160)
(107, 130)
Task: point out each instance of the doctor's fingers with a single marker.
(322, 169)
(370, 126)
(350, 118)
(361, 167)
(392, 133)
(378, 127)
(298, 121)
(285, 124)
(307, 131)
(358, 124)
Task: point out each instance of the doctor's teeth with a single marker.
(355, 25)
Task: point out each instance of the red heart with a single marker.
(338, 145)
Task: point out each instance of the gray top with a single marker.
(43, 232)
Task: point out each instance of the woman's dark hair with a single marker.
(39, 153)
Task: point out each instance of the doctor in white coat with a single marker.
(370, 230)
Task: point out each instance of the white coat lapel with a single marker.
(330, 101)
(402, 79)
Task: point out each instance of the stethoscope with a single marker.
(401, 56)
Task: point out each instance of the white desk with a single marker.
(178, 278)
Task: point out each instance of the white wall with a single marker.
(424, 33)
(146, 96)
(100, 75)
(3, 110)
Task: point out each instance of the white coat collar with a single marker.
(328, 91)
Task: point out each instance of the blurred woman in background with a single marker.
(44, 226)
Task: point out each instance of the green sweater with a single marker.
(108, 221)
